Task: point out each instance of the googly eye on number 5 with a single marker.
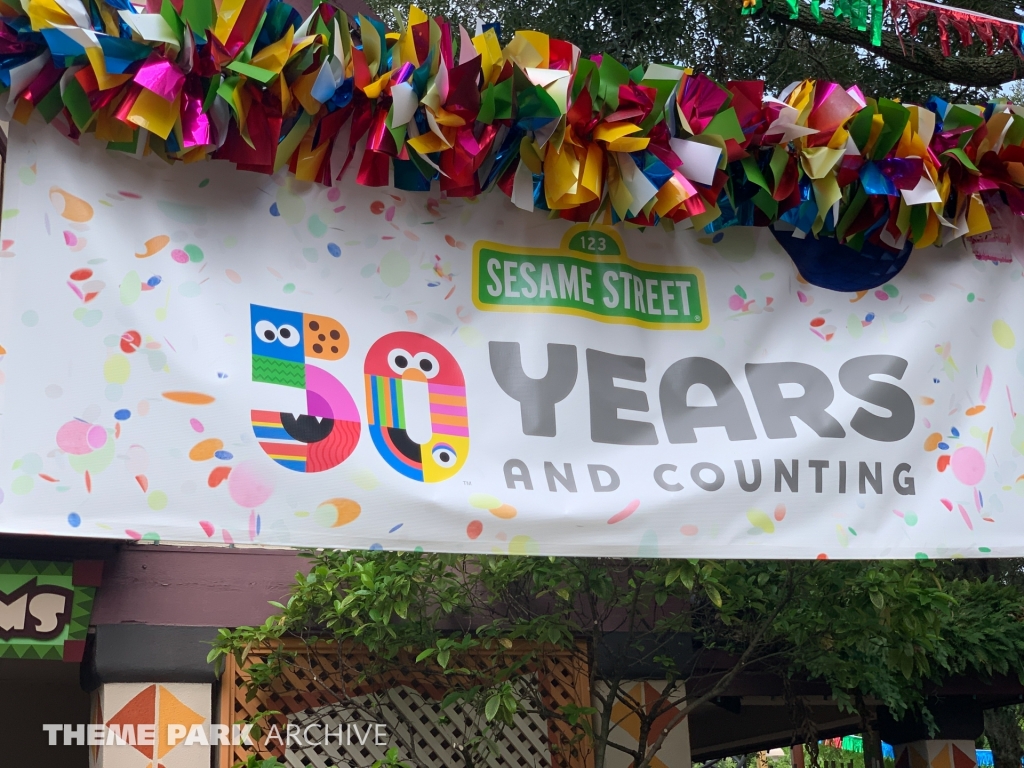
(401, 357)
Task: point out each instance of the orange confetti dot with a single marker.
(204, 449)
(942, 463)
(688, 530)
(822, 556)
(924, 400)
(974, 410)
(450, 240)
(153, 246)
(932, 441)
(48, 479)
(143, 482)
(780, 512)
(505, 512)
(376, 207)
(189, 398)
(474, 529)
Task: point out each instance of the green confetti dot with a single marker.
(767, 275)
(740, 292)
(289, 288)
(851, 530)
(10, 213)
(316, 226)
(154, 537)
(157, 500)
(921, 556)
(203, 183)
(984, 549)
(22, 484)
(970, 298)
(195, 253)
(910, 518)
(891, 290)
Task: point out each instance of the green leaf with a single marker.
(713, 594)
(491, 709)
(877, 599)
(442, 657)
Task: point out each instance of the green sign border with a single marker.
(620, 258)
(82, 578)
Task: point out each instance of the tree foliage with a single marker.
(711, 36)
(871, 630)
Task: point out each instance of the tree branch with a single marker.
(977, 71)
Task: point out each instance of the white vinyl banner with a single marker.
(196, 353)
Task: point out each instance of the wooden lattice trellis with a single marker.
(322, 685)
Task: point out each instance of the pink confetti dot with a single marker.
(70, 238)
(735, 303)
(881, 295)
(333, 194)
(179, 256)
(629, 510)
(196, 424)
(968, 465)
(688, 530)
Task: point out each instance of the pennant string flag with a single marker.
(582, 139)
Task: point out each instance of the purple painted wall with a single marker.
(194, 586)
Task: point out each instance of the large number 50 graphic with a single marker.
(322, 438)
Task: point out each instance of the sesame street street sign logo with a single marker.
(589, 276)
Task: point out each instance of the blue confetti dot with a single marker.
(433, 284)
(122, 415)
(955, 432)
(273, 210)
(74, 520)
(869, 316)
(224, 455)
(334, 249)
(935, 381)
(718, 237)
(396, 527)
(259, 524)
(376, 548)
(221, 375)
(154, 281)
(944, 446)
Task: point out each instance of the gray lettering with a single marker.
(659, 477)
(536, 397)
(596, 471)
(681, 419)
(865, 477)
(516, 471)
(741, 475)
(792, 477)
(903, 487)
(855, 378)
(567, 480)
(777, 412)
(817, 465)
(715, 484)
(606, 399)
